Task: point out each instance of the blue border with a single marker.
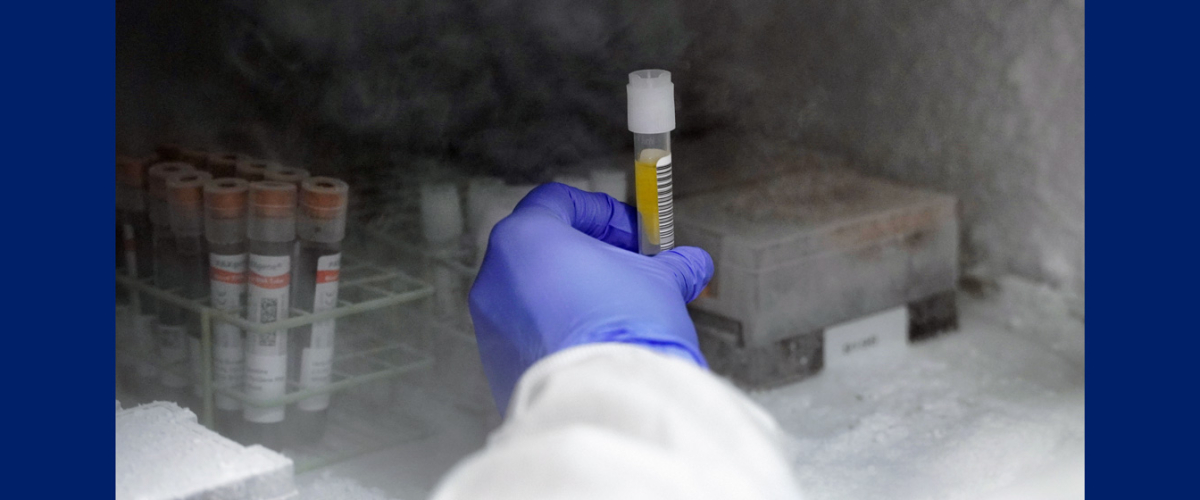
(1143, 183)
(60, 73)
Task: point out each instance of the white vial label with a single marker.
(316, 361)
(266, 353)
(315, 371)
(268, 289)
(868, 339)
(172, 350)
(228, 280)
(266, 378)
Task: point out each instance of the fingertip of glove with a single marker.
(693, 268)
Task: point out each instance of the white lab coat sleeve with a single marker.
(621, 421)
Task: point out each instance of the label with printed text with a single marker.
(266, 353)
(228, 284)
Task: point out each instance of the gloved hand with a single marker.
(563, 270)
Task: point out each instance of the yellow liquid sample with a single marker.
(645, 175)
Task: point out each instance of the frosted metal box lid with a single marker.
(771, 223)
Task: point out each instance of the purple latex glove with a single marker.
(563, 270)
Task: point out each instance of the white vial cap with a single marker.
(651, 101)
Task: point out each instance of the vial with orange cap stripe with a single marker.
(225, 231)
(170, 329)
(271, 233)
(320, 228)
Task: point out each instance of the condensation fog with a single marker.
(979, 99)
(982, 99)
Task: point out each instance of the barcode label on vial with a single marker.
(316, 361)
(266, 353)
(666, 204)
(268, 290)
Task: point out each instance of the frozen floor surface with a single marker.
(995, 410)
(404, 472)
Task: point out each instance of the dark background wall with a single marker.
(984, 99)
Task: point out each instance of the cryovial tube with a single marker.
(290, 175)
(251, 170)
(185, 196)
(170, 329)
(285, 174)
(651, 102)
(320, 229)
(442, 223)
(225, 230)
(271, 233)
(138, 253)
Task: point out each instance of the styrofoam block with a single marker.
(163, 453)
(880, 335)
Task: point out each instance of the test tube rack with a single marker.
(364, 287)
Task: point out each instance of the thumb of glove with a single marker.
(692, 268)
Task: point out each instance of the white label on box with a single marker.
(316, 361)
(172, 350)
(880, 335)
(266, 353)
